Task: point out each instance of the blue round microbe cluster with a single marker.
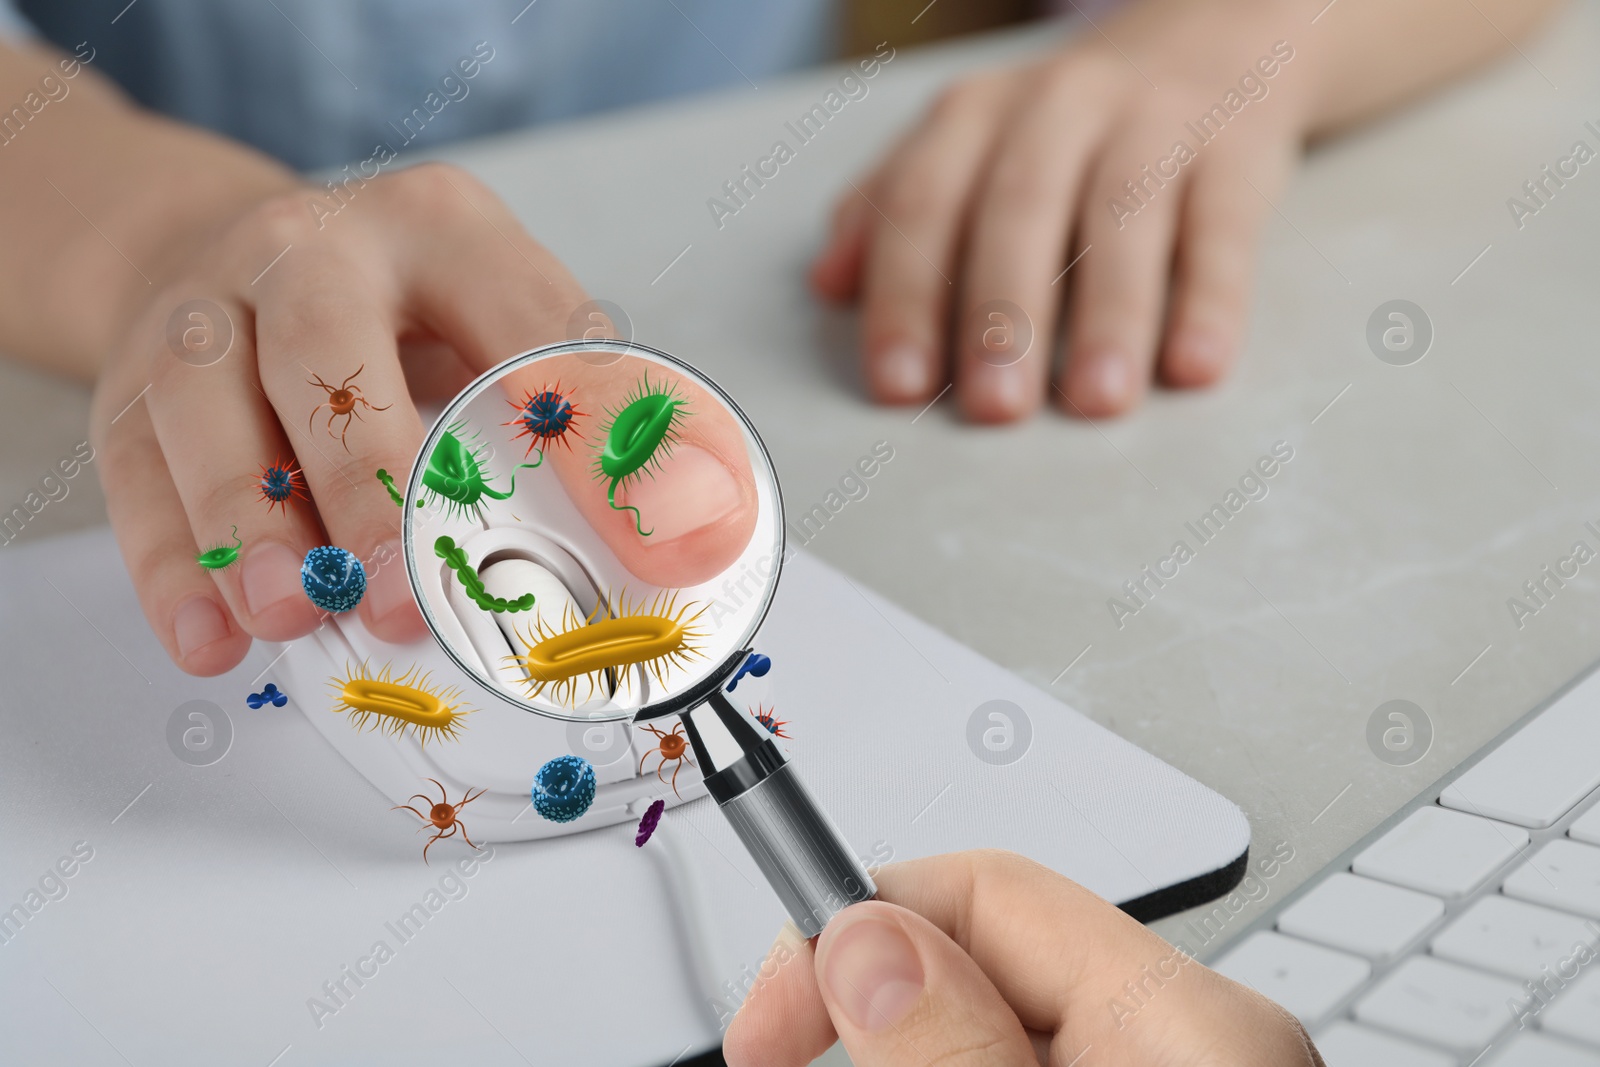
(277, 483)
(564, 788)
(333, 578)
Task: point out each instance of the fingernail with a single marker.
(995, 391)
(691, 491)
(388, 589)
(903, 371)
(197, 623)
(1104, 382)
(873, 972)
(271, 577)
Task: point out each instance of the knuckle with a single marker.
(434, 186)
(914, 193)
(280, 220)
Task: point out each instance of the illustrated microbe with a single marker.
(647, 824)
(443, 817)
(342, 401)
(456, 559)
(399, 705)
(656, 633)
(455, 474)
(638, 436)
(771, 722)
(221, 557)
(672, 748)
(394, 494)
(333, 578)
(564, 788)
(543, 417)
(756, 666)
(268, 695)
(279, 482)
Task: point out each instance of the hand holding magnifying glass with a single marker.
(624, 582)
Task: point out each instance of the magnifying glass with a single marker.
(594, 533)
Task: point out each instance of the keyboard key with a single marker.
(1307, 979)
(1543, 770)
(1537, 1050)
(1344, 1044)
(1512, 937)
(1576, 1011)
(1587, 826)
(1562, 874)
(1441, 852)
(1359, 915)
(1442, 1003)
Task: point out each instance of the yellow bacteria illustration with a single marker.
(397, 705)
(656, 633)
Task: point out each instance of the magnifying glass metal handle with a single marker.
(804, 857)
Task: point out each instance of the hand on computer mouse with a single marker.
(420, 281)
(987, 957)
(1125, 177)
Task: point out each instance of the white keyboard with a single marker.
(1465, 932)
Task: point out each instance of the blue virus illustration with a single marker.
(268, 695)
(279, 482)
(564, 788)
(770, 721)
(757, 665)
(333, 578)
(544, 417)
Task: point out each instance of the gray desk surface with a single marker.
(1378, 567)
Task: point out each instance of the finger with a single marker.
(1020, 233)
(1221, 223)
(783, 1021)
(901, 993)
(219, 435)
(183, 605)
(836, 270)
(696, 505)
(330, 365)
(1119, 292)
(916, 223)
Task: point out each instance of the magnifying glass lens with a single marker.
(595, 532)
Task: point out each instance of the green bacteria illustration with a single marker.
(638, 436)
(394, 494)
(221, 557)
(455, 474)
(456, 559)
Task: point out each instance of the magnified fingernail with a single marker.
(1104, 383)
(692, 490)
(873, 972)
(903, 371)
(197, 623)
(271, 576)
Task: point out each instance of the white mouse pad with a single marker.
(266, 906)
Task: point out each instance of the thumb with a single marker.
(900, 992)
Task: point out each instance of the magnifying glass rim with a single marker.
(708, 685)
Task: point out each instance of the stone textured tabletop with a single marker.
(1378, 565)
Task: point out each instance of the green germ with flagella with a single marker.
(455, 473)
(638, 436)
(221, 557)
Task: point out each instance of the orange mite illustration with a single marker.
(444, 816)
(342, 401)
(674, 748)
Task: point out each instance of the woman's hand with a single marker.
(986, 957)
(422, 281)
(1015, 176)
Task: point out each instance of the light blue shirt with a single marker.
(320, 82)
